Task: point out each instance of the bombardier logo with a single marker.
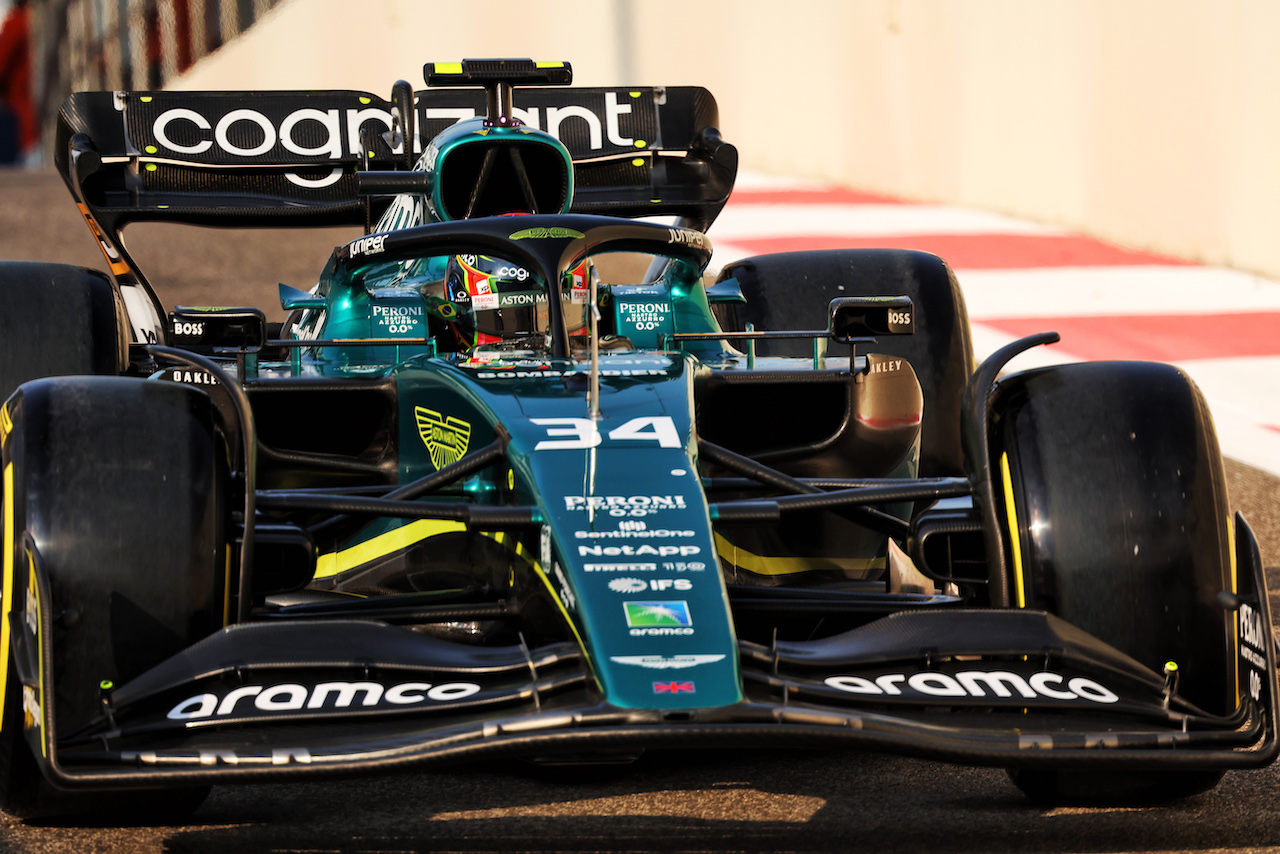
(1000, 684)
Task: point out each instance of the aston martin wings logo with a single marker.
(446, 437)
(544, 233)
(666, 662)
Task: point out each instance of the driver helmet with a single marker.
(499, 301)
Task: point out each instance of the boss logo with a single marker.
(192, 329)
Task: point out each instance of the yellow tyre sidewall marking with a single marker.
(1014, 538)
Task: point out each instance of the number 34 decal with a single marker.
(584, 433)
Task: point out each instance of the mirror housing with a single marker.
(852, 318)
(292, 298)
(207, 330)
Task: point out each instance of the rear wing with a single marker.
(264, 159)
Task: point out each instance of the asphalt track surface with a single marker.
(686, 801)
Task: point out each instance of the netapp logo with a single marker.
(326, 695)
(977, 683)
(615, 551)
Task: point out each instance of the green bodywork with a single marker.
(626, 552)
(626, 549)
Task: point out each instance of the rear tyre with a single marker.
(1122, 529)
(791, 290)
(120, 486)
(58, 320)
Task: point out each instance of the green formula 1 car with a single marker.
(516, 479)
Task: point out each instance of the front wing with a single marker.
(1010, 688)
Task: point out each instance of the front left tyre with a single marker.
(115, 496)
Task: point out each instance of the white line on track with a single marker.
(1095, 291)
(756, 221)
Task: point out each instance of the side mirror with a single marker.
(726, 290)
(853, 318)
(292, 298)
(207, 330)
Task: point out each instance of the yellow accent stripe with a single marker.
(34, 589)
(5, 590)
(744, 559)
(501, 538)
(382, 545)
(448, 68)
(401, 538)
(6, 423)
(226, 589)
(549, 64)
(1235, 588)
(1013, 530)
(1231, 552)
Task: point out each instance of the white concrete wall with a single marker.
(1148, 122)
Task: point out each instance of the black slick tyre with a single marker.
(791, 291)
(1119, 524)
(118, 486)
(58, 320)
